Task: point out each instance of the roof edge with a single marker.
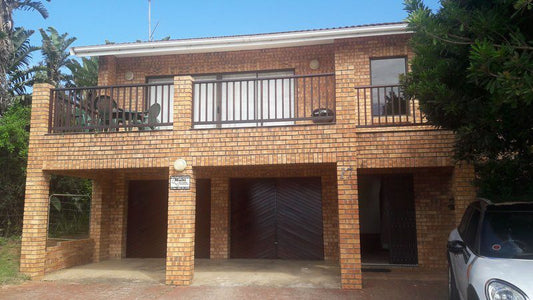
(242, 42)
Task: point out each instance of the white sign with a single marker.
(180, 182)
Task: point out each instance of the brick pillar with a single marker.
(107, 70)
(463, 189)
(99, 218)
(180, 239)
(182, 103)
(220, 214)
(330, 217)
(349, 245)
(35, 223)
(118, 205)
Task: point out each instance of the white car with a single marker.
(490, 254)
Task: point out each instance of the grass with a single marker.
(9, 261)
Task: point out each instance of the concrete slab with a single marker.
(231, 273)
(266, 273)
(146, 270)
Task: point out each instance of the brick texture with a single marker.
(67, 254)
(335, 152)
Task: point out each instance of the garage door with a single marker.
(276, 218)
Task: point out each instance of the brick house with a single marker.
(297, 145)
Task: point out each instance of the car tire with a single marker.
(453, 293)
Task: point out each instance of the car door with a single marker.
(460, 261)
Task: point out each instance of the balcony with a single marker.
(228, 103)
(111, 108)
(264, 101)
(386, 105)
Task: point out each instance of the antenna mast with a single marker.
(149, 20)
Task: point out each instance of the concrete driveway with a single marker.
(409, 287)
(228, 279)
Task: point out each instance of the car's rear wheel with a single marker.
(453, 294)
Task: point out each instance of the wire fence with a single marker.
(68, 218)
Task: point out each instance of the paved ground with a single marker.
(141, 279)
(374, 289)
(217, 273)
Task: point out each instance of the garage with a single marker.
(276, 218)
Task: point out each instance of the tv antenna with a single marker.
(150, 31)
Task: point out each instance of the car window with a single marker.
(507, 234)
(470, 233)
(464, 221)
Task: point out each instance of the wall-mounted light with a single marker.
(180, 164)
(314, 64)
(128, 75)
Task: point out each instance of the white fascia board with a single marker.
(249, 42)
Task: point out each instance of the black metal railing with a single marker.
(111, 108)
(386, 105)
(268, 101)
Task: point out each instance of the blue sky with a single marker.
(94, 21)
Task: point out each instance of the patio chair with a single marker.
(105, 106)
(150, 117)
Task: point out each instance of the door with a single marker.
(147, 219)
(276, 218)
(202, 232)
(399, 218)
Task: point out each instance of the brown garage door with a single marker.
(147, 219)
(276, 218)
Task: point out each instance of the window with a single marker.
(464, 221)
(388, 99)
(243, 99)
(507, 234)
(470, 233)
(163, 94)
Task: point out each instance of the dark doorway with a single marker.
(387, 219)
(202, 232)
(277, 218)
(147, 219)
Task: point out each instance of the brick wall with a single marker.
(342, 144)
(66, 254)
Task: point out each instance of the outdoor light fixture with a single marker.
(180, 165)
(128, 75)
(314, 64)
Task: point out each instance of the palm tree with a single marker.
(19, 73)
(84, 74)
(6, 46)
(56, 55)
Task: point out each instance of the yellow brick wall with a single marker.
(342, 145)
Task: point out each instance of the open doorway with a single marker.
(387, 218)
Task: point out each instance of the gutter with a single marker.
(236, 43)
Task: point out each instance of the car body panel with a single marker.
(517, 272)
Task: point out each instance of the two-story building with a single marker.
(290, 145)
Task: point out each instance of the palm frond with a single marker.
(33, 5)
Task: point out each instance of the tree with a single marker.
(84, 74)
(19, 72)
(6, 46)
(14, 134)
(473, 74)
(56, 55)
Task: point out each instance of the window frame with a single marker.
(379, 113)
(219, 98)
